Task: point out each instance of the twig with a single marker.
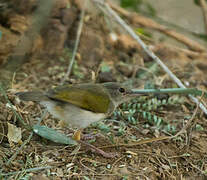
(14, 111)
(21, 147)
(188, 123)
(3, 133)
(102, 4)
(26, 170)
(141, 142)
(25, 142)
(204, 9)
(80, 27)
(196, 167)
(187, 52)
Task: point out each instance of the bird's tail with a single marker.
(31, 96)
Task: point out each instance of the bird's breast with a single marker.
(72, 115)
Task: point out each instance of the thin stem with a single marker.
(204, 9)
(26, 170)
(171, 90)
(80, 27)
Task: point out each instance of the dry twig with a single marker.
(26, 170)
(141, 142)
(204, 9)
(21, 147)
(188, 52)
(188, 124)
(80, 27)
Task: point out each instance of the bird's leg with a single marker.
(99, 151)
(77, 135)
(86, 137)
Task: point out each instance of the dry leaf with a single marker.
(14, 133)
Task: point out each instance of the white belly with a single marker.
(72, 115)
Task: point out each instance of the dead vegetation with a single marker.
(136, 131)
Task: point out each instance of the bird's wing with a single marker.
(87, 96)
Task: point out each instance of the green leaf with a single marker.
(105, 68)
(186, 155)
(143, 32)
(121, 132)
(52, 135)
(199, 127)
(202, 36)
(103, 127)
(197, 2)
(129, 3)
(86, 178)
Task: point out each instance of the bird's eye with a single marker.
(121, 90)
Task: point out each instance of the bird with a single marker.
(79, 105)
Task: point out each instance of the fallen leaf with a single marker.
(14, 133)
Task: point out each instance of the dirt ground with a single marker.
(106, 53)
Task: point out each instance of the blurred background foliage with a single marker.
(138, 6)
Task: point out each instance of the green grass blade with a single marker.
(191, 91)
(52, 135)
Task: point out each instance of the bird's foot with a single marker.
(77, 135)
(99, 151)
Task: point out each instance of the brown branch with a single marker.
(141, 142)
(136, 18)
(204, 9)
(187, 52)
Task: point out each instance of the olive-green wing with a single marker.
(87, 96)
